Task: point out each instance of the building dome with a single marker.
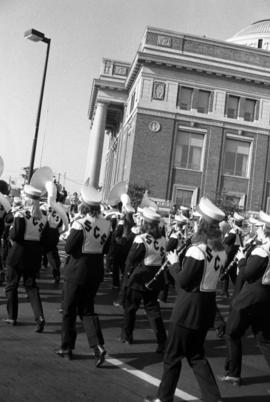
(254, 35)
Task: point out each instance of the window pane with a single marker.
(241, 165)
(249, 110)
(232, 106)
(236, 157)
(195, 158)
(188, 151)
(203, 101)
(185, 97)
(229, 163)
(183, 197)
(242, 147)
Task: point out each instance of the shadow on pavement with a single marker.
(253, 398)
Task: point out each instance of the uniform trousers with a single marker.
(132, 303)
(184, 342)
(254, 316)
(79, 299)
(14, 275)
(54, 261)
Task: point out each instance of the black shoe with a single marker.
(9, 321)
(151, 399)
(220, 332)
(100, 353)
(236, 381)
(117, 304)
(161, 348)
(64, 353)
(40, 325)
(126, 340)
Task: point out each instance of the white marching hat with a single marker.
(32, 192)
(238, 217)
(90, 195)
(209, 211)
(182, 208)
(265, 219)
(149, 215)
(180, 219)
(255, 222)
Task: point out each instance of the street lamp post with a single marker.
(37, 36)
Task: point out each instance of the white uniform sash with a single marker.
(33, 226)
(155, 249)
(96, 231)
(214, 261)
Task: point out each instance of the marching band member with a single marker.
(5, 209)
(237, 229)
(56, 226)
(195, 307)
(27, 234)
(144, 259)
(121, 242)
(177, 236)
(84, 271)
(251, 305)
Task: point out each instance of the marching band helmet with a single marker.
(149, 215)
(265, 219)
(32, 192)
(238, 218)
(90, 195)
(209, 211)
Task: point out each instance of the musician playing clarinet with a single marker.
(144, 259)
(251, 305)
(195, 307)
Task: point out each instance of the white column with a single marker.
(95, 147)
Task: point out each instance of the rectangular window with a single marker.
(203, 101)
(188, 153)
(184, 100)
(232, 106)
(236, 159)
(183, 197)
(249, 109)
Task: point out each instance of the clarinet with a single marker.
(234, 262)
(180, 251)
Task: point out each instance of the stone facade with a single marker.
(189, 117)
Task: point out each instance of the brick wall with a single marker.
(151, 154)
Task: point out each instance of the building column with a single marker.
(96, 144)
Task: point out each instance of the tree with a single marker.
(26, 172)
(136, 192)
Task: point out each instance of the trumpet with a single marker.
(150, 285)
(249, 245)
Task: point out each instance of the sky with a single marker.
(82, 32)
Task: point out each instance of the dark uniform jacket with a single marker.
(253, 291)
(144, 260)
(86, 244)
(28, 235)
(195, 304)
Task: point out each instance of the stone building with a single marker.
(190, 116)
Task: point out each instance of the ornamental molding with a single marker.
(154, 126)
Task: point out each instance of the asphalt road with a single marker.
(32, 372)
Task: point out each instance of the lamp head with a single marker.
(34, 35)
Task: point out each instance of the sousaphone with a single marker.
(119, 193)
(42, 179)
